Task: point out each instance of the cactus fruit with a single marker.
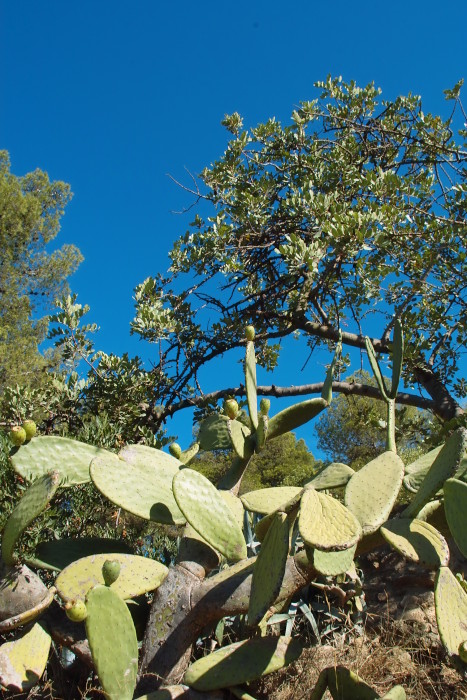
(76, 611)
(250, 333)
(242, 662)
(175, 450)
(110, 571)
(264, 406)
(231, 408)
(30, 429)
(18, 435)
(204, 508)
(112, 639)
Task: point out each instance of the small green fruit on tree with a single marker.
(231, 408)
(30, 429)
(250, 333)
(110, 571)
(18, 435)
(76, 611)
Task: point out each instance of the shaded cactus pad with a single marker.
(242, 662)
(45, 453)
(267, 500)
(23, 661)
(451, 610)
(332, 476)
(145, 489)
(417, 540)
(33, 502)
(213, 433)
(372, 491)
(205, 509)
(455, 507)
(138, 575)
(112, 639)
(58, 554)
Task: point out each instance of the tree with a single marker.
(334, 225)
(353, 429)
(31, 278)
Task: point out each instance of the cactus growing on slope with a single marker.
(97, 586)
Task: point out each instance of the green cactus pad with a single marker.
(344, 684)
(269, 569)
(266, 501)
(57, 554)
(242, 441)
(332, 476)
(261, 432)
(424, 462)
(112, 639)
(397, 358)
(23, 661)
(376, 368)
(235, 505)
(242, 662)
(444, 466)
(190, 453)
(451, 610)
(295, 416)
(48, 453)
(333, 563)
(204, 508)
(213, 433)
(455, 506)
(326, 524)
(145, 489)
(33, 502)
(372, 491)
(417, 540)
(138, 575)
(250, 383)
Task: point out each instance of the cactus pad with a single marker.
(51, 453)
(112, 639)
(23, 661)
(250, 383)
(23, 597)
(295, 416)
(451, 610)
(267, 500)
(331, 476)
(326, 524)
(33, 502)
(204, 508)
(145, 489)
(242, 662)
(397, 358)
(443, 467)
(235, 506)
(424, 462)
(213, 433)
(269, 569)
(138, 575)
(333, 563)
(455, 507)
(57, 554)
(242, 441)
(417, 540)
(372, 491)
(189, 454)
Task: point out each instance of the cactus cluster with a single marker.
(101, 583)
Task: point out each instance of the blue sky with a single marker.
(111, 96)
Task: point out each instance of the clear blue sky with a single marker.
(111, 96)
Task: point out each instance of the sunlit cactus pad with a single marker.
(423, 463)
(269, 569)
(58, 554)
(455, 506)
(267, 500)
(372, 491)
(295, 416)
(332, 476)
(326, 524)
(213, 433)
(33, 502)
(113, 643)
(451, 610)
(250, 383)
(145, 489)
(417, 540)
(242, 662)
(23, 661)
(332, 563)
(443, 467)
(240, 436)
(235, 505)
(46, 453)
(138, 575)
(205, 510)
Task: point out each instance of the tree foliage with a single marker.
(31, 277)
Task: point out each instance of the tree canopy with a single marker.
(350, 216)
(31, 277)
